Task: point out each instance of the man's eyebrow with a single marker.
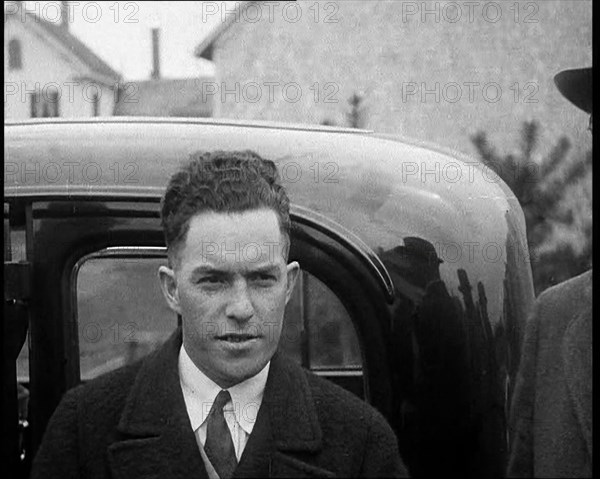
(212, 270)
(206, 269)
(270, 268)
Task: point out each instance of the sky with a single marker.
(120, 33)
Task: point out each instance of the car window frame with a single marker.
(160, 252)
(102, 222)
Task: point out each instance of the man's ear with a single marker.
(168, 284)
(293, 270)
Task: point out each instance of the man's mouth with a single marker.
(236, 338)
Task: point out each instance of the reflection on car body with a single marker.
(415, 282)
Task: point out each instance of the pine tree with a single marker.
(356, 115)
(540, 189)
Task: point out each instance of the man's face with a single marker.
(230, 285)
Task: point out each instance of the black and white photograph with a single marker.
(297, 239)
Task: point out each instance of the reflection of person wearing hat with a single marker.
(576, 86)
(551, 416)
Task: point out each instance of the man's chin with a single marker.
(235, 373)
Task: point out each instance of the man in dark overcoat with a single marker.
(551, 414)
(217, 400)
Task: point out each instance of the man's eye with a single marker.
(210, 280)
(264, 278)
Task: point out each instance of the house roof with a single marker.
(74, 45)
(204, 48)
(181, 97)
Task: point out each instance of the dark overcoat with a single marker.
(132, 423)
(551, 414)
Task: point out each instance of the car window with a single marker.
(122, 316)
(318, 331)
(121, 313)
(332, 339)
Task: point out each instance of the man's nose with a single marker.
(240, 305)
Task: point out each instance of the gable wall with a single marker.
(45, 63)
(392, 58)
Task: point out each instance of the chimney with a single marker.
(64, 15)
(155, 75)
(13, 8)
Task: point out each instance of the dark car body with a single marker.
(415, 289)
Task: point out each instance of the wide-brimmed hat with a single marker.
(576, 86)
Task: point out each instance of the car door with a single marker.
(96, 305)
(17, 292)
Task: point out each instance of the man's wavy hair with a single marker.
(222, 182)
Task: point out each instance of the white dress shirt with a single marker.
(200, 392)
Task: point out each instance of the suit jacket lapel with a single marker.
(256, 458)
(156, 438)
(156, 435)
(287, 430)
(577, 354)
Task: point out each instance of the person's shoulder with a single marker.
(336, 404)
(557, 306)
(111, 387)
(578, 286)
(332, 395)
(569, 293)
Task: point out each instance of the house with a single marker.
(432, 71)
(49, 72)
(162, 96)
(436, 72)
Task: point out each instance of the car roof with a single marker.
(335, 171)
(61, 133)
(188, 121)
(382, 189)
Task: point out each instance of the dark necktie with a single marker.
(219, 446)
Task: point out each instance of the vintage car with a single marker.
(416, 278)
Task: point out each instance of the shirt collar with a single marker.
(199, 393)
